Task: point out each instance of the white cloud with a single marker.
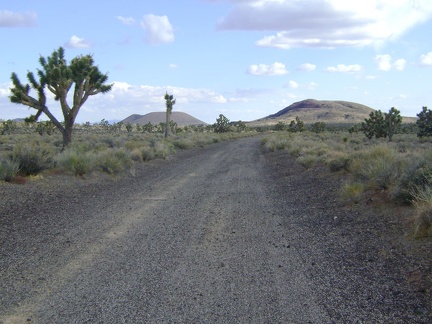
(173, 66)
(145, 94)
(158, 29)
(385, 63)
(120, 86)
(311, 86)
(292, 84)
(276, 68)
(400, 64)
(326, 23)
(5, 89)
(345, 68)
(77, 42)
(14, 19)
(307, 67)
(426, 59)
(126, 20)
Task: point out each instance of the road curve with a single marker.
(193, 239)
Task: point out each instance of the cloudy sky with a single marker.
(245, 59)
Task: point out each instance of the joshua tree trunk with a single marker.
(167, 123)
(169, 103)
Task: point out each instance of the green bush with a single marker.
(422, 200)
(277, 142)
(307, 160)
(339, 163)
(353, 191)
(417, 175)
(183, 143)
(33, 157)
(77, 160)
(380, 166)
(136, 155)
(147, 153)
(113, 161)
(8, 168)
(162, 148)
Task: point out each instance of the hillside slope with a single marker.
(328, 111)
(181, 118)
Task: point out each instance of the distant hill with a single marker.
(328, 111)
(181, 118)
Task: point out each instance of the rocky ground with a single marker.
(369, 242)
(224, 234)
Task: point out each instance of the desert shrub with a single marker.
(112, 142)
(423, 216)
(8, 168)
(77, 160)
(307, 160)
(381, 166)
(113, 161)
(162, 148)
(352, 191)
(147, 153)
(295, 149)
(277, 142)
(183, 143)
(416, 176)
(339, 162)
(33, 157)
(136, 155)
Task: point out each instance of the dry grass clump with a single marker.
(9, 168)
(338, 161)
(113, 161)
(77, 160)
(423, 211)
(380, 167)
(33, 157)
(353, 191)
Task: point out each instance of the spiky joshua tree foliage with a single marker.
(59, 77)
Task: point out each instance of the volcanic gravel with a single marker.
(228, 233)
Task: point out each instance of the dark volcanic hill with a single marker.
(311, 111)
(181, 118)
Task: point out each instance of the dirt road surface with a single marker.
(222, 234)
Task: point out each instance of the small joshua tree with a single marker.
(169, 103)
(221, 125)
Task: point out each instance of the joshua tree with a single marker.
(424, 122)
(375, 125)
(393, 121)
(58, 77)
(382, 125)
(221, 125)
(169, 103)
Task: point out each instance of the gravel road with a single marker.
(222, 234)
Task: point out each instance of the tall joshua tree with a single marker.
(169, 103)
(393, 121)
(59, 77)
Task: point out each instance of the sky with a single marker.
(245, 59)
